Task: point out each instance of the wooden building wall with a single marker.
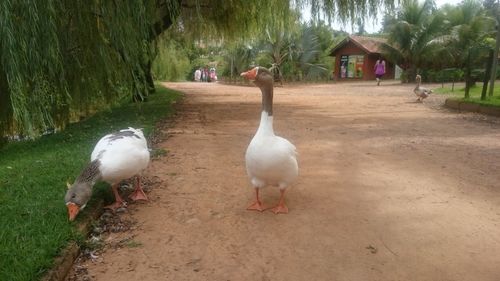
(369, 61)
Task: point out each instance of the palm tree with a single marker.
(493, 9)
(239, 58)
(305, 54)
(468, 28)
(276, 45)
(411, 33)
(296, 51)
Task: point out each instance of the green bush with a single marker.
(453, 75)
(171, 63)
(443, 75)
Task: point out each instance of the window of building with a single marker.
(351, 66)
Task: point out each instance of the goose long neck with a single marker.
(266, 117)
(266, 125)
(267, 98)
(91, 173)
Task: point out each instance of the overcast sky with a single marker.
(371, 26)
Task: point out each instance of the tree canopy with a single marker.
(425, 37)
(61, 60)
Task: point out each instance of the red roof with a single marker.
(372, 45)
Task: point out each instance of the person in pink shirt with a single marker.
(379, 70)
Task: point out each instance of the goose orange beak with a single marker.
(250, 75)
(73, 210)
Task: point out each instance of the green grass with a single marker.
(158, 153)
(33, 221)
(133, 244)
(475, 94)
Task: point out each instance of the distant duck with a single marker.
(270, 160)
(116, 157)
(421, 92)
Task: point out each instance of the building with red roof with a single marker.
(355, 58)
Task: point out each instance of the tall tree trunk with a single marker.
(166, 18)
(467, 76)
(495, 60)
(411, 74)
(487, 74)
(150, 83)
(5, 107)
(149, 76)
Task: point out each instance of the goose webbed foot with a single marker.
(138, 193)
(281, 208)
(118, 200)
(257, 204)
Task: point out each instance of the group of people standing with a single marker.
(205, 74)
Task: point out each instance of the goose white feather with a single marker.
(270, 159)
(122, 155)
(117, 156)
(421, 92)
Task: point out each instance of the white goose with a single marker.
(421, 92)
(116, 157)
(270, 159)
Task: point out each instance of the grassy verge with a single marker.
(33, 174)
(475, 94)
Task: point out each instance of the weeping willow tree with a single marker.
(61, 59)
(172, 61)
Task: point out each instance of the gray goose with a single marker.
(419, 91)
(116, 157)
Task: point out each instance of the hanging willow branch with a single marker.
(61, 60)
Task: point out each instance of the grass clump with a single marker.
(133, 244)
(158, 153)
(475, 95)
(33, 221)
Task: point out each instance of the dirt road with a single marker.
(389, 189)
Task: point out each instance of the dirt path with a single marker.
(389, 189)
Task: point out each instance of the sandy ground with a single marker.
(389, 189)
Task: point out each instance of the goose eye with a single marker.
(73, 196)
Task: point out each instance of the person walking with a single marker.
(379, 70)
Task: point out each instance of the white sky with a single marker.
(372, 26)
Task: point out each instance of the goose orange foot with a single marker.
(256, 206)
(280, 209)
(138, 194)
